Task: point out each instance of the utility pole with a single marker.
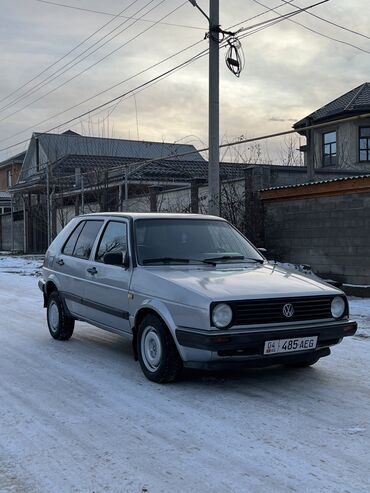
(126, 187)
(82, 194)
(48, 204)
(214, 106)
(214, 111)
(12, 218)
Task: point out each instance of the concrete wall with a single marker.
(330, 233)
(6, 243)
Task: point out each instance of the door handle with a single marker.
(60, 261)
(92, 270)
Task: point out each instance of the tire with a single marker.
(157, 352)
(60, 325)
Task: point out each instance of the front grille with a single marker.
(267, 311)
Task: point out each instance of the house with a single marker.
(9, 172)
(342, 145)
(66, 174)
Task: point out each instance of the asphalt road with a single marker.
(79, 416)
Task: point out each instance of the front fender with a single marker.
(163, 312)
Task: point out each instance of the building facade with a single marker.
(9, 173)
(343, 142)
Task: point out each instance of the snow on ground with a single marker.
(79, 416)
(360, 311)
(27, 265)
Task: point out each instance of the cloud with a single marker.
(289, 71)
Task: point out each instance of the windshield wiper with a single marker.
(168, 260)
(225, 258)
(165, 260)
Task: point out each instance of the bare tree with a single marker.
(290, 154)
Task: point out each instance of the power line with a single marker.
(55, 75)
(58, 73)
(269, 9)
(73, 7)
(319, 33)
(258, 27)
(344, 28)
(90, 66)
(129, 78)
(238, 142)
(103, 105)
(50, 78)
(69, 52)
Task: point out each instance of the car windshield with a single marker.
(185, 241)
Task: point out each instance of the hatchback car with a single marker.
(190, 290)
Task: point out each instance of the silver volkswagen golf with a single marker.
(190, 290)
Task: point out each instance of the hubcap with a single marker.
(151, 348)
(53, 314)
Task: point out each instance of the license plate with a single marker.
(289, 345)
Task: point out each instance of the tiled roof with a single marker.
(173, 171)
(164, 169)
(18, 158)
(355, 101)
(307, 184)
(59, 145)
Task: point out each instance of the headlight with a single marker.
(222, 315)
(338, 307)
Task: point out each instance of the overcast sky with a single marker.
(289, 70)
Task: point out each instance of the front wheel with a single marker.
(60, 325)
(157, 352)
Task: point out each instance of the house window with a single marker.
(364, 135)
(9, 178)
(329, 143)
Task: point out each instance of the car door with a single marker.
(72, 263)
(108, 285)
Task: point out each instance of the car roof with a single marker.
(152, 215)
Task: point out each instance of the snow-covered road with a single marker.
(79, 416)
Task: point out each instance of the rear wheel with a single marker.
(60, 325)
(157, 352)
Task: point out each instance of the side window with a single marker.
(364, 144)
(114, 240)
(86, 239)
(329, 142)
(71, 242)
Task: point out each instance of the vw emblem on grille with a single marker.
(288, 310)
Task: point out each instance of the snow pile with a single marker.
(25, 265)
(300, 269)
(359, 309)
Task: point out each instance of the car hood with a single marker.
(233, 283)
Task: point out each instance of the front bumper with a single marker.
(246, 346)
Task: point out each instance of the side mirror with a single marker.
(117, 258)
(262, 250)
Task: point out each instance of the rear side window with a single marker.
(86, 239)
(114, 240)
(71, 242)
